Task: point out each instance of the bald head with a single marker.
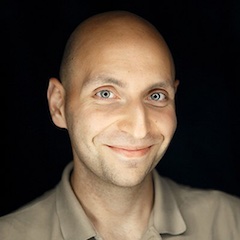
(104, 30)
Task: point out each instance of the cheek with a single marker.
(167, 122)
(91, 121)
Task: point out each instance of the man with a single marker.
(115, 97)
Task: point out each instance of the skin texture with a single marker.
(116, 99)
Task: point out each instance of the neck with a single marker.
(116, 209)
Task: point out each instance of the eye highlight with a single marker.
(157, 96)
(157, 99)
(105, 94)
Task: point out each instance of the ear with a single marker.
(56, 98)
(176, 83)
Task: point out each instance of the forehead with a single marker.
(125, 58)
(122, 53)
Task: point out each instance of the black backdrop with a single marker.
(204, 37)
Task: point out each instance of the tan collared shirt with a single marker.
(179, 212)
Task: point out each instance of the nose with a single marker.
(135, 120)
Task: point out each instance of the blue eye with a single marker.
(157, 96)
(105, 94)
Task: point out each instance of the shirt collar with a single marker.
(73, 220)
(166, 217)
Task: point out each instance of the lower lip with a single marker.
(131, 153)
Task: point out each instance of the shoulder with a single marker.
(187, 195)
(207, 210)
(30, 220)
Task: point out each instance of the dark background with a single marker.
(204, 37)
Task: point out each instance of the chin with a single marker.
(129, 179)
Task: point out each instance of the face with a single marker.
(120, 112)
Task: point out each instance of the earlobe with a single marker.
(56, 98)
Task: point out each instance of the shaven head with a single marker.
(105, 29)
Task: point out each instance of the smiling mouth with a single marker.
(131, 152)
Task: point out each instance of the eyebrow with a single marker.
(109, 80)
(103, 80)
(162, 84)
